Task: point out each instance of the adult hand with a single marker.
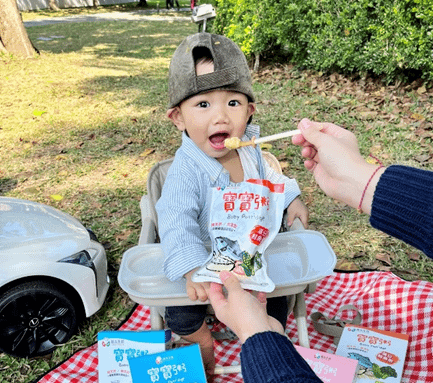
(241, 311)
(333, 157)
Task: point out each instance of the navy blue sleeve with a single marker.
(403, 206)
(270, 357)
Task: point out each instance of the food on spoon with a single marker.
(232, 143)
(235, 142)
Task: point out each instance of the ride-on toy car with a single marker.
(53, 272)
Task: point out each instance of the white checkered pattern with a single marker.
(385, 301)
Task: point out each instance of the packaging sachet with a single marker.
(244, 220)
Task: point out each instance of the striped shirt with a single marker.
(183, 209)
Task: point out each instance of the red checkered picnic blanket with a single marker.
(385, 301)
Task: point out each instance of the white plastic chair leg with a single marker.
(234, 369)
(156, 321)
(300, 312)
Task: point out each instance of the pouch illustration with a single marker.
(244, 219)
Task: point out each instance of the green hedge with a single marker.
(389, 38)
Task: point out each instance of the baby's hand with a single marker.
(196, 290)
(297, 209)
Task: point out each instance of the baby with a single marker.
(210, 100)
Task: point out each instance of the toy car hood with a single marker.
(29, 229)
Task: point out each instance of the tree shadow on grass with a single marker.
(129, 59)
(7, 184)
(106, 118)
(132, 39)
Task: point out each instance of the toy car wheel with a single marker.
(34, 318)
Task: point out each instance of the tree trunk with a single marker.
(13, 35)
(96, 3)
(53, 6)
(256, 62)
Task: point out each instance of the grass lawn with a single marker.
(85, 121)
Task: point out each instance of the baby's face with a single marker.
(211, 117)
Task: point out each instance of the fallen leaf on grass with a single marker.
(345, 265)
(118, 147)
(284, 165)
(269, 102)
(424, 131)
(422, 158)
(122, 145)
(370, 266)
(39, 113)
(96, 205)
(421, 90)
(56, 197)
(123, 235)
(385, 258)
(414, 256)
(359, 254)
(147, 152)
(371, 160)
(265, 146)
(417, 116)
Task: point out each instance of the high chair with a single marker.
(141, 274)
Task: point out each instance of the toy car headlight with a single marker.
(82, 258)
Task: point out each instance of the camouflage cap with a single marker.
(231, 70)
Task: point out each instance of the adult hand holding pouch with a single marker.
(244, 220)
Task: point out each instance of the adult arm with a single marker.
(267, 355)
(270, 357)
(403, 206)
(399, 198)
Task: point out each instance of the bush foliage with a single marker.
(389, 38)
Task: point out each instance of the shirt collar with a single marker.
(209, 164)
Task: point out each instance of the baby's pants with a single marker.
(185, 320)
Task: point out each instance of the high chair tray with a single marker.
(295, 259)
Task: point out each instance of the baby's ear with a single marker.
(251, 108)
(175, 115)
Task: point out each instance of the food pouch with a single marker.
(244, 220)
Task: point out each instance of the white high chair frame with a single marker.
(148, 235)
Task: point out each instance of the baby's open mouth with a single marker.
(217, 140)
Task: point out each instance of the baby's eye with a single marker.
(203, 104)
(234, 103)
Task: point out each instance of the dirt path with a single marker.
(111, 16)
